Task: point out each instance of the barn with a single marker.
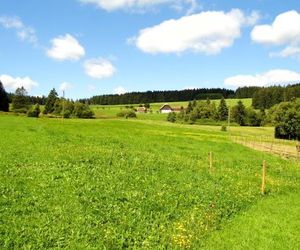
(166, 108)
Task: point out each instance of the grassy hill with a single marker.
(132, 184)
(110, 111)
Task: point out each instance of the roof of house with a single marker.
(166, 106)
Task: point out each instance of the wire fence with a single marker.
(283, 148)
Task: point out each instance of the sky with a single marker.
(93, 47)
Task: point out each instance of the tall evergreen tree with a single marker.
(50, 102)
(223, 110)
(240, 113)
(20, 102)
(189, 108)
(4, 102)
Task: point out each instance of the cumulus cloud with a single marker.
(65, 48)
(120, 90)
(112, 5)
(12, 83)
(99, 68)
(284, 31)
(65, 86)
(24, 33)
(289, 51)
(207, 32)
(276, 76)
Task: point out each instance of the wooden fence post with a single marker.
(271, 148)
(263, 184)
(210, 161)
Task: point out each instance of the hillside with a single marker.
(128, 183)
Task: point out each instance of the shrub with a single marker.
(224, 128)
(171, 117)
(67, 114)
(82, 111)
(127, 114)
(34, 111)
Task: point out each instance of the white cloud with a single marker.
(287, 52)
(24, 33)
(284, 31)
(253, 18)
(99, 68)
(276, 76)
(112, 5)
(66, 48)
(120, 90)
(207, 32)
(12, 83)
(65, 86)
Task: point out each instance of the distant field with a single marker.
(137, 184)
(110, 111)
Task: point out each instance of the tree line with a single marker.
(285, 116)
(209, 111)
(262, 97)
(53, 105)
(160, 96)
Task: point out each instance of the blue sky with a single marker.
(90, 47)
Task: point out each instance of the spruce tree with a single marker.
(189, 108)
(223, 110)
(240, 114)
(20, 101)
(50, 101)
(4, 102)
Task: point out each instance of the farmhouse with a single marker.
(166, 108)
(141, 110)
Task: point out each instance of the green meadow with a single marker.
(110, 111)
(141, 184)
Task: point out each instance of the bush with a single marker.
(67, 114)
(224, 128)
(83, 111)
(127, 114)
(34, 111)
(171, 117)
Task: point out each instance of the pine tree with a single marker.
(223, 110)
(189, 108)
(240, 113)
(20, 101)
(4, 102)
(51, 99)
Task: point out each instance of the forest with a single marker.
(262, 97)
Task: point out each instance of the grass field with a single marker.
(110, 111)
(113, 184)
